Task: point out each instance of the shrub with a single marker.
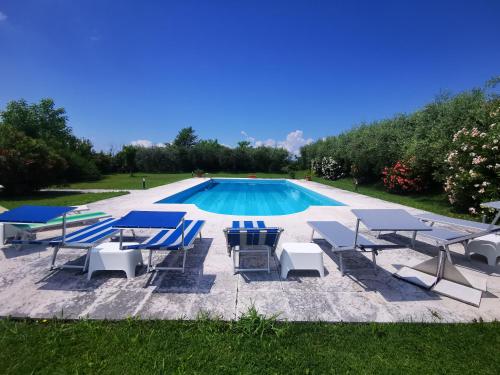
(401, 179)
(423, 136)
(316, 167)
(331, 169)
(46, 126)
(474, 166)
(26, 164)
(79, 168)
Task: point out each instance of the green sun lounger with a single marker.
(70, 219)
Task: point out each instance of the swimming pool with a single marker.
(250, 197)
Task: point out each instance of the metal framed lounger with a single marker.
(442, 236)
(172, 240)
(343, 239)
(28, 231)
(251, 237)
(441, 276)
(30, 215)
(84, 238)
(461, 223)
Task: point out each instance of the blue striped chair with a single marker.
(85, 238)
(171, 240)
(251, 237)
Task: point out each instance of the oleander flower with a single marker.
(473, 167)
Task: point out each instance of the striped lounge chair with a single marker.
(251, 237)
(84, 238)
(171, 240)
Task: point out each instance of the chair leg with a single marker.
(269, 261)
(87, 259)
(150, 256)
(413, 239)
(184, 261)
(54, 254)
(448, 255)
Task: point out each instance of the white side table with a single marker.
(301, 256)
(487, 246)
(109, 257)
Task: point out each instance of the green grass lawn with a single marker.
(52, 198)
(125, 181)
(248, 346)
(433, 202)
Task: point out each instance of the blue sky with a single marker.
(276, 72)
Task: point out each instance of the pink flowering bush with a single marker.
(474, 167)
(400, 178)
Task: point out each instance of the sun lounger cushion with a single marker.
(33, 214)
(453, 221)
(442, 234)
(338, 235)
(167, 239)
(86, 236)
(252, 233)
(70, 219)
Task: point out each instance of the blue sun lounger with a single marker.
(84, 238)
(32, 215)
(26, 227)
(251, 237)
(172, 240)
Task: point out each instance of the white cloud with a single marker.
(146, 143)
(268, 143)
(3, 16)
(142, 143)
(248, 138)
(293, 142)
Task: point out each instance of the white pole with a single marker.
(356, 235)
(64, 228)
(182, 245)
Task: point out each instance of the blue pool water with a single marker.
(250, 197)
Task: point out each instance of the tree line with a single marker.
(421, 140)
(188, 153)
(38, 149)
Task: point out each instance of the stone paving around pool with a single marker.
(365, 293)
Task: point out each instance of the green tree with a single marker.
(420, 140)
(129, 153)
(26, 164)
(185, 141)
(45, 122)
(186, 138)
(40, 121)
